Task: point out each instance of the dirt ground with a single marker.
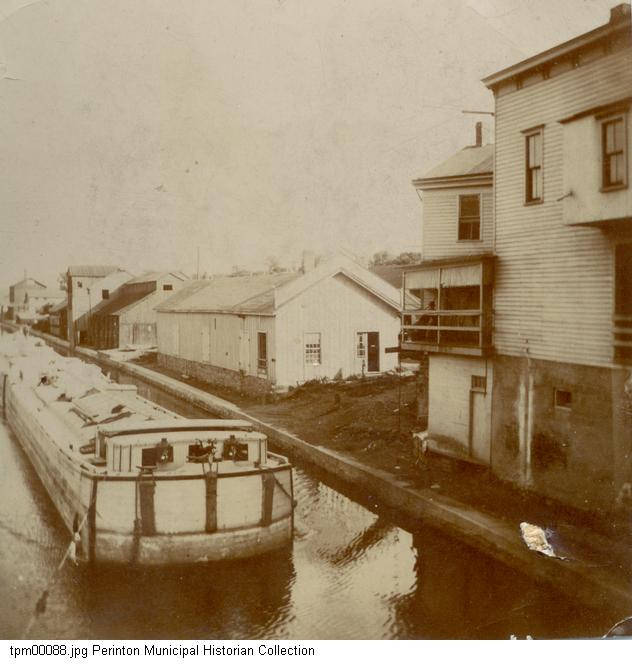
(362, 418)
(368, 418)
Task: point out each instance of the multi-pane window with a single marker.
(361, 345)
(469, 217)
(534, 167)
(312, 348)
(613, 153)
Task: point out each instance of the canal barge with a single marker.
(133, 482)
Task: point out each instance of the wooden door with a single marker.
(373, 352)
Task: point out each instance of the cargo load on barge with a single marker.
(136, 483)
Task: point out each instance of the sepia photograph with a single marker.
(315, 324)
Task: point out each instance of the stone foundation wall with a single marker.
(216, 375)
(578, 453)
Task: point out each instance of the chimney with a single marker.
(620, 13)
(479, 135)
(309, 261)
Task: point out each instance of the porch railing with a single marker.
(443, 329)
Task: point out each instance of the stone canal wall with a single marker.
(593, 586)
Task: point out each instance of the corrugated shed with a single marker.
(554, 283)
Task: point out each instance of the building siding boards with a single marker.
(337, 308)
(553, 296)
(440, 226)
(324, 300)
(227, 341)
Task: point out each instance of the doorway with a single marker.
(368, 350)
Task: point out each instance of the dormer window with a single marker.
(613, 153)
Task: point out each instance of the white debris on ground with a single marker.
(535, 539)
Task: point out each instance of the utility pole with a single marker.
(197, 272)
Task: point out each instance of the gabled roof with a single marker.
(59, 306)
(240, 294)
(120, 299)
(154, 276)
(264, 294)
(91, 271)
(471, 162)
(391, 273)
(29, 281)
(172, 303)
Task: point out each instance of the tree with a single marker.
(384, 258)
(62, 281)
(380, 259)
(274, 265)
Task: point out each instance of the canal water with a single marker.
(350, 574)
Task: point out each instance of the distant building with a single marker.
(278, 330)
(28, 296)
(128, 316)
(58, 319)
(562, 389)
(447, 301)
(86, 286)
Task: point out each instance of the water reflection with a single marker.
(460, 594)
(221, 600)
(350, 574)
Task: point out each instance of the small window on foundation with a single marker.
(479, 383)
(563, 399)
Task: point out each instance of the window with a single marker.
(361, 345)
(312, 349)
(262, 351)
(105, 294)
(479, 383)
(563, 399)
(533, 192)
(79, 285)
(470, 217)
(167, 287)
(613, 153)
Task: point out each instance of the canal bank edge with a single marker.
(593, 586)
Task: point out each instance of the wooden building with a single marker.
(28, 296)
(446, 319)
(562, 391)
(273, 331)
(58, 319)
(87, 286)
(127, 317)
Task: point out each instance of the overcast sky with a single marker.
(134, 131)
